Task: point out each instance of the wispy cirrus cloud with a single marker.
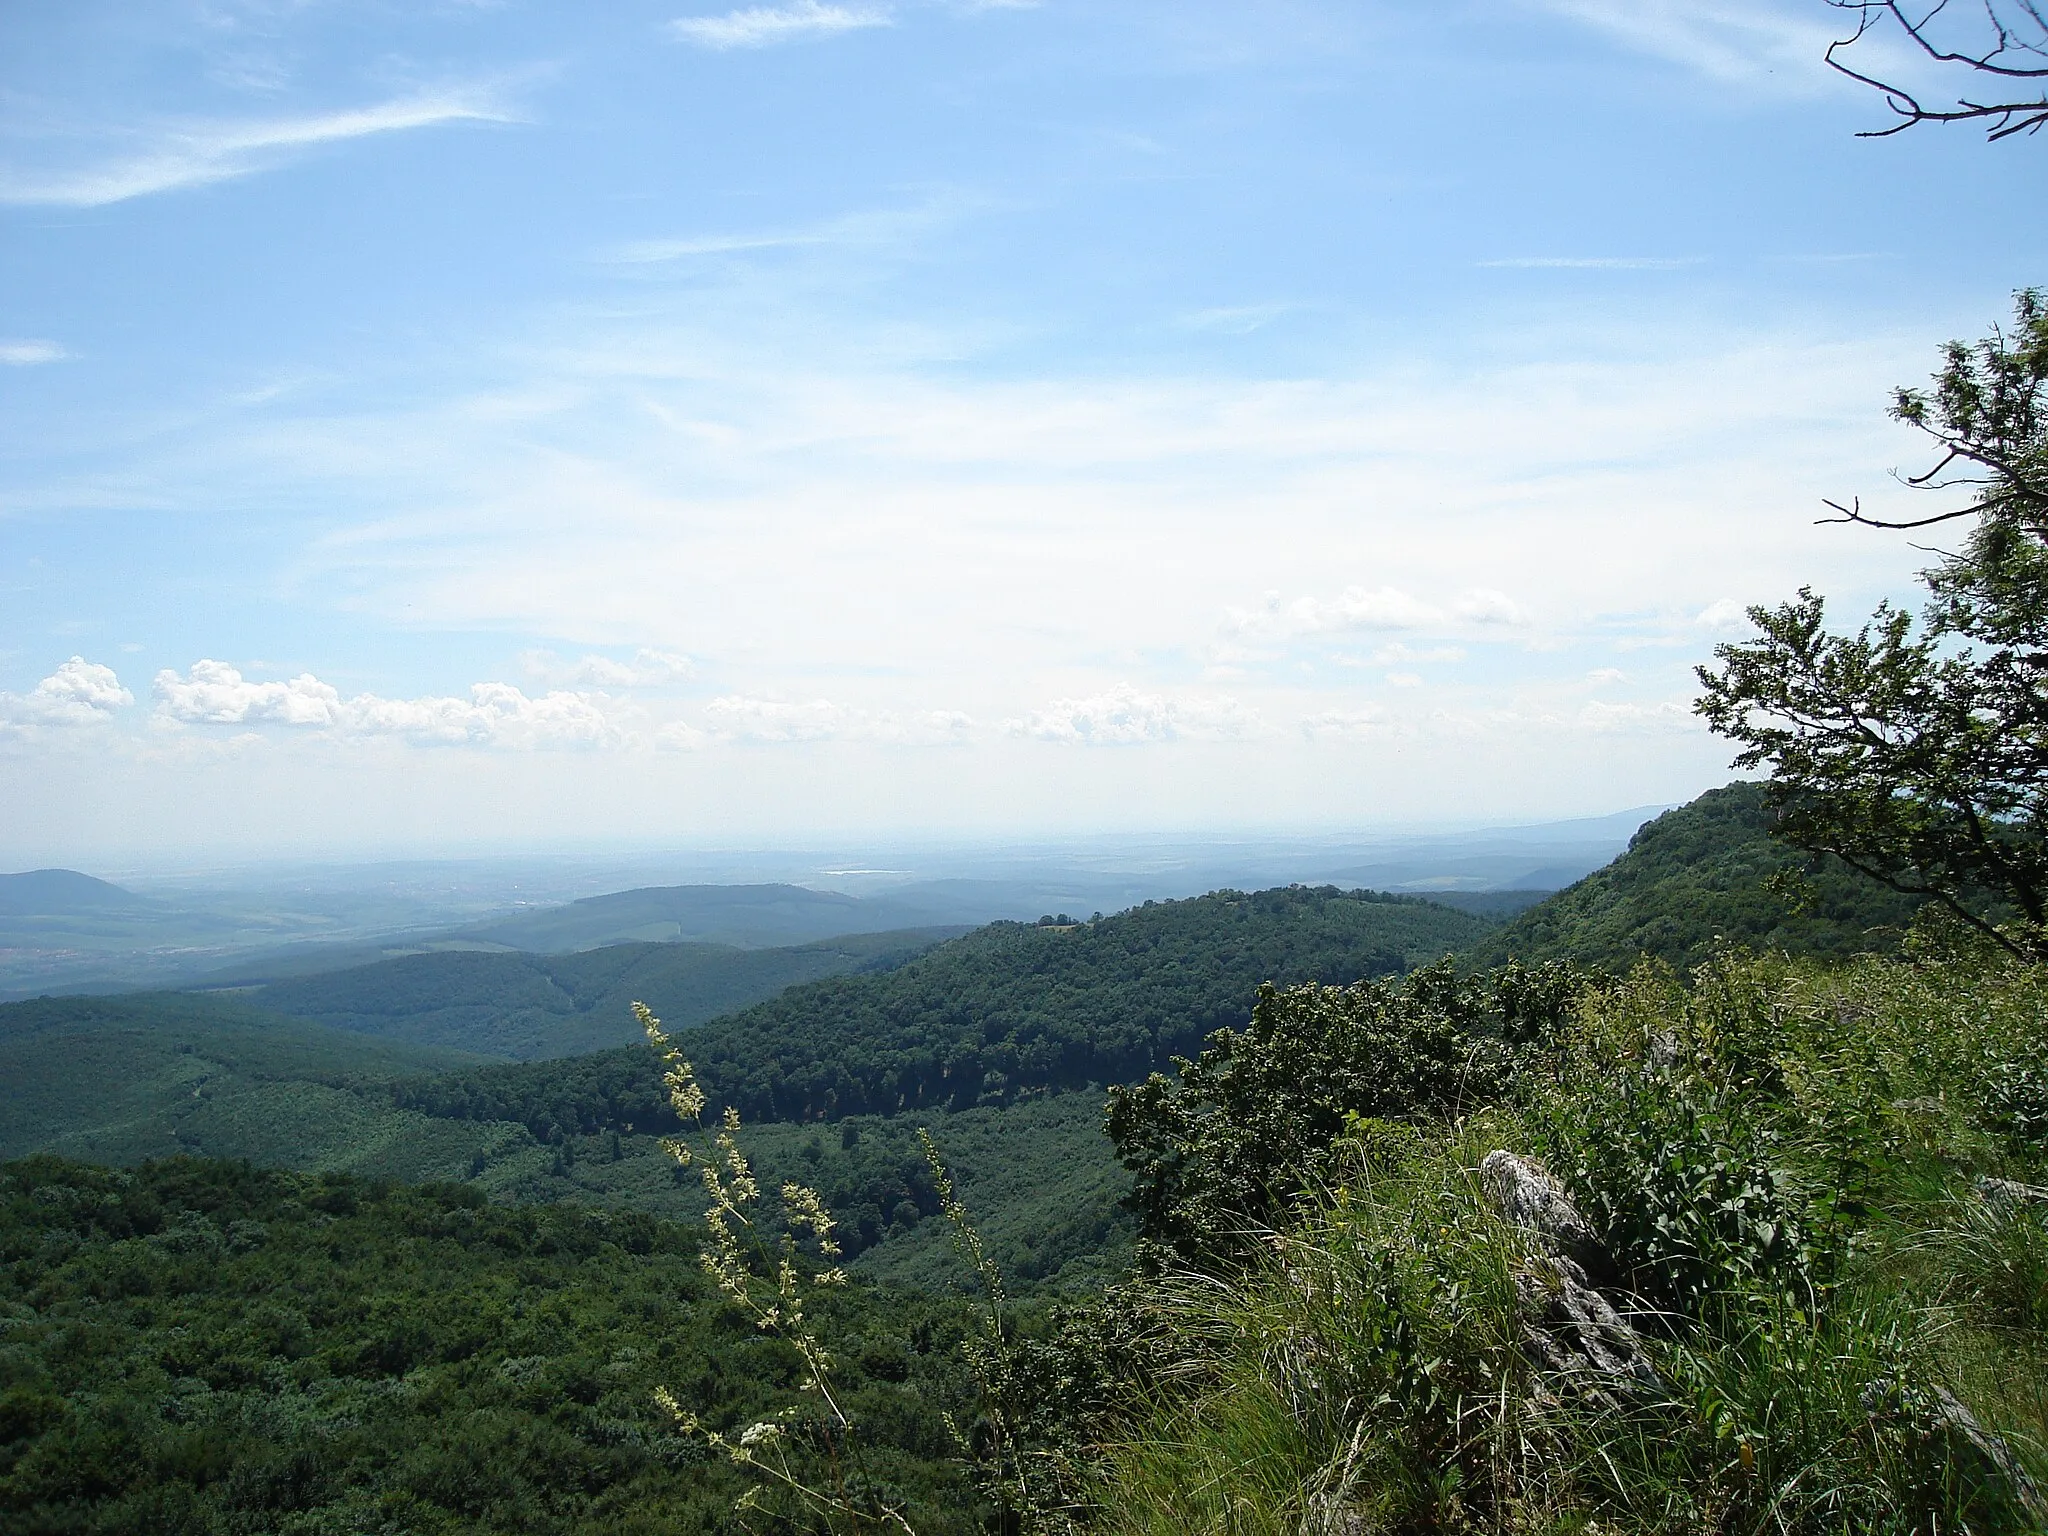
(1232, 319)
(28, 353)
(1377, 608)
(763, 25)
(1748, 42)
(178, 156)
(647, 669)
(1597, 263)
(1124, 716)
(636, 252)
(873, 228)
(754, 718)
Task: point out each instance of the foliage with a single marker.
(119, 1079)
(532, 1006)
(202, 1347)
(809, 1463)
(1040, 1173)
(1842, 1309)
(1704, 875)
(1677, 1176)
(122, 1079)
(1920, 757)
(1218, 1151)
(1008, 1009)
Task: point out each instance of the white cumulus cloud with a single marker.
(759, 26)
(214, 693)
(78, 693)
(494, 714)
(1724, 614)
(1125, 717)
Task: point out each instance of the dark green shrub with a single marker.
(1685, 1193)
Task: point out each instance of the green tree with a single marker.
(1220, 1150)
(1918, 752)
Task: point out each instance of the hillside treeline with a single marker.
(531, 1006)
(1011, 1008)
(1698, 879)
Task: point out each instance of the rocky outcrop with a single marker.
(1885, 1398)
(2011, 1192)
(1571, 1332)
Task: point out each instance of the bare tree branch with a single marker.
(2013, 46)
(1853, 513)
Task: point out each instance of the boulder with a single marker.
(1569, 1329)
(1525, 1194)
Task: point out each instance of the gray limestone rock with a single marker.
(1569, 1329)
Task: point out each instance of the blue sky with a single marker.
(450, 425)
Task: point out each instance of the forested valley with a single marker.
(267, 1273)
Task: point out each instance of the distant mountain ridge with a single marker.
(65, 893)
(1010, 1008)
(745, 916)
(524, 1006)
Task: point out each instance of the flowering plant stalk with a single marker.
(737, 1258)
(1023, 1481)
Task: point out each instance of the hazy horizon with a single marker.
(848, 860)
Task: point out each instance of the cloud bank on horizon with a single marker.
(686, 421)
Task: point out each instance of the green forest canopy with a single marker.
(201, 1346)
(1697, 877)
(1010, 1008)
(532, 1006)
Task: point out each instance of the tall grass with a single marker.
(1849, 1326)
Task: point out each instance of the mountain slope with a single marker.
(531, 1006)
(1009, 1008)
(749, 916)
(64, 893)
(1692, 877)
(119, 1079)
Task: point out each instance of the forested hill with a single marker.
(1696, 876)
(1011, 1007)
(526, 1006)
(119, 1079)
